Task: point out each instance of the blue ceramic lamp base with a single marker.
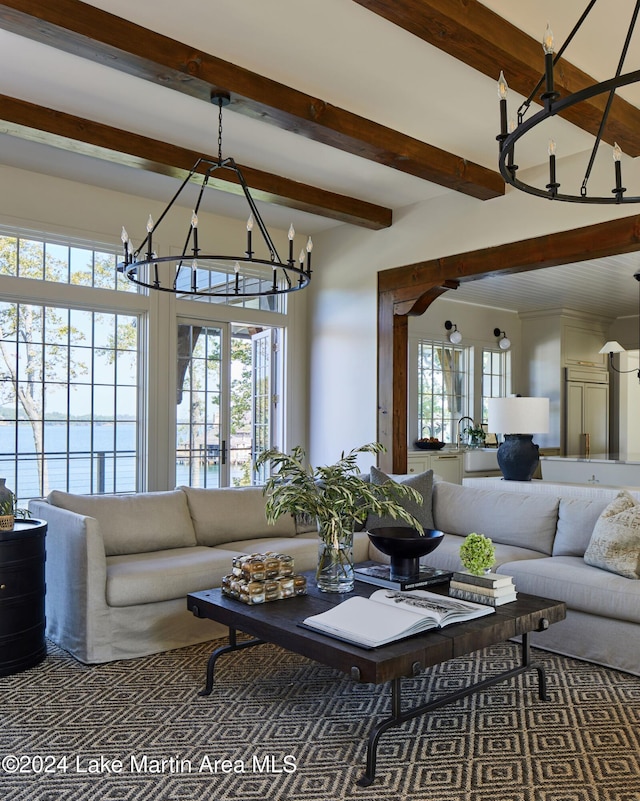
(518, 457)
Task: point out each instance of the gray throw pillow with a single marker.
(422, 483)
(615, 542)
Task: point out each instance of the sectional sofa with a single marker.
(119, 568)
(541, 533)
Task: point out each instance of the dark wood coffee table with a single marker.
(277, 622)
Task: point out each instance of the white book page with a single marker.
(366, 621)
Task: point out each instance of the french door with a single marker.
(228, 402)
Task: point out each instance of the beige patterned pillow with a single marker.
(615, 542)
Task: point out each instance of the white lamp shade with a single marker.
(518, 415)
(611, 347)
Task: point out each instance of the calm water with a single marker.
(90, 465)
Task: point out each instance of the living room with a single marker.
(63, 190)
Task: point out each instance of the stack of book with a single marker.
(489, 588)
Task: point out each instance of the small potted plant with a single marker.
(9, 511)
(476, 434)
(339, 499)
(477, 554)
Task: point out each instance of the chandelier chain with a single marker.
(219, 130)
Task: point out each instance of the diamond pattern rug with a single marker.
(278, 726)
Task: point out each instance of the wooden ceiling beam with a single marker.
(47, 126)
(84, 30)
(477, 36)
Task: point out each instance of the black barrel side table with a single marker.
(22, 591)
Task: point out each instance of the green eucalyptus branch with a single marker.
(335, 495)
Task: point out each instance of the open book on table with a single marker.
(390, 615)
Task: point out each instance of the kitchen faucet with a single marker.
(470, 419)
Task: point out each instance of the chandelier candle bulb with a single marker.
(291, 234)
(124, 236)
(149, 233)
(194, 228)
(503, 89)
(547, 46)
(553, 185)
(619, 190)
(309, 249)
(249, 230)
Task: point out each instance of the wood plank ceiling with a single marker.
(466, 30)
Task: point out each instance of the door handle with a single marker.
(223, 452)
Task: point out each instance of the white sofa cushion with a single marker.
(225, 515)
(147, 578)
(576, 520)
(151, 521)
(582, 587)
(527, 521)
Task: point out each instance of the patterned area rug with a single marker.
(278, 726)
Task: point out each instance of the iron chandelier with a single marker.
(199, 273)
(511, 131)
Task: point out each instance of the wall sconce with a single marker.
(504, 342)
(455, 337)
(611, 348)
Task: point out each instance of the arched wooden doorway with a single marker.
(410, 290)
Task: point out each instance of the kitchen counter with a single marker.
(596, 469)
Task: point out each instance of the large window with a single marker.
(108, 388)
(443, 388)
(496, 377)
(68, 400)
(29, 257)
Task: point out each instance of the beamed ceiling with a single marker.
(342, 112)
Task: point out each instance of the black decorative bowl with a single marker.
(405, 546)
(425, 445)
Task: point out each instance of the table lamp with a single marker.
(518, 419)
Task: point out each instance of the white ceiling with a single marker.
(342, 53)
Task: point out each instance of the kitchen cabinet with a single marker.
(446, 464)
(587, 413)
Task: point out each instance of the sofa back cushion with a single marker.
(422, 483)
(149, 521)
(527, 521)
(576, 520)
(237, 513)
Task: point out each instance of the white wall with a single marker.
(343, 314)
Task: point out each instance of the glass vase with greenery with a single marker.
(339, 499)
(476, 434)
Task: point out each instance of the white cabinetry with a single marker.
(561, 361)
(446, 465)
(587, 413)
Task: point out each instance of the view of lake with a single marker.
(84, 470)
